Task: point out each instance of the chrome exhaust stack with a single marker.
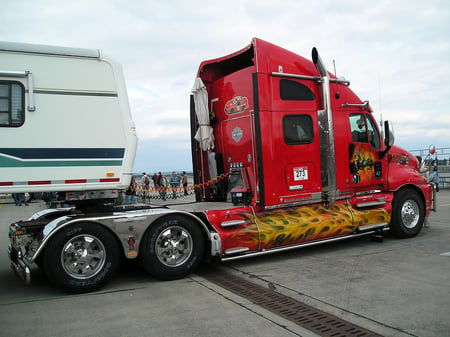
(326, 134)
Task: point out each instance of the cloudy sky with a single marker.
(396, 53)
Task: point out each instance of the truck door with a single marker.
(366, 169)
(298, 151)
(296, 160)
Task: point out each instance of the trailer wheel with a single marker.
(408, 214)
(172, 248)
(81, 258)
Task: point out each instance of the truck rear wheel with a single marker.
(81, 258)
(172, 248)
(408, 214)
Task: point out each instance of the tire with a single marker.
(81, 258)
(408, 214)
(172, 248)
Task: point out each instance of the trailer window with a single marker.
(298, 129)
(12, 104)
(294, 91)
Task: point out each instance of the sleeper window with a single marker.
(298, 129)
(295, 91)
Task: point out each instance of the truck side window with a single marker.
(298, 129)
(358, 128)
(364, 130)
(294, 91)
(12, 104)
(374, 136)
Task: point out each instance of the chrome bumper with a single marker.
(433, 197)
(18, 265)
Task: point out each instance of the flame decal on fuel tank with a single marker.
(305, 223)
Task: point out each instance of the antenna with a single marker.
(337, 95)
(379, 98)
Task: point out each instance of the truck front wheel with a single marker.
(408, 214)
(172, 248)
(81, 257)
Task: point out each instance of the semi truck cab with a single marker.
(305, 148)
(285, 155)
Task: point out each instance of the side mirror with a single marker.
(388, 134)
(388, 138)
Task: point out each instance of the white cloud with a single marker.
(394, 53)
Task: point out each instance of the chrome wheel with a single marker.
(83, 256)
(174, 246)
(410, 213)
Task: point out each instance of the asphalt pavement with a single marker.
(394, 288)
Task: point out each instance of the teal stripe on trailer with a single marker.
(63, 153)
(9, 162)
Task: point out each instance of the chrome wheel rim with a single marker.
(83, 256)
(174, 246)
(410, 214)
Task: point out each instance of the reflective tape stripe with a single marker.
(59, 182)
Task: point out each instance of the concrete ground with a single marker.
(395, 288)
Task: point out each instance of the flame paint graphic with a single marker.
(305, 223)
(362, 161)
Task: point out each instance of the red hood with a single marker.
(403, 157)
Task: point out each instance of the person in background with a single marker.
(21, 199)
(154, 177)
(158, 180)
(184, 182)
(163, 186)
(434, 177)
(145, 184)
(423, 168)
(174, 183)
(130, 193)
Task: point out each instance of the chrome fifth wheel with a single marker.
(172, 248)
(81, 257)
(408, 214)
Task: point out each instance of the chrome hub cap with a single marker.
(410, 214)
(83, 256)
(174, 246)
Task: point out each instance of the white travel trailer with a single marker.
(65, 121)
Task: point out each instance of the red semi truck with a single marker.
(296, 159)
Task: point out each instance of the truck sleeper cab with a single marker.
(286, 156)
(311, 160)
